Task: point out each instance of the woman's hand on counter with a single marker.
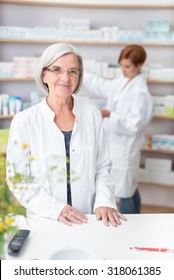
(109, 216)
(71, 215)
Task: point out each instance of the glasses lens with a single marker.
(72, 72)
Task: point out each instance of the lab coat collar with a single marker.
(125, 85)
(49, 114)
(46, 110)
(139, 80)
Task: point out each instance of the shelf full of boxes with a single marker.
(78, 31)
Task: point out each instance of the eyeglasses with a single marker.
(72, 72)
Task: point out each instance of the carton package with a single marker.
(163, 165)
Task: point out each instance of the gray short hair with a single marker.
(52, 53)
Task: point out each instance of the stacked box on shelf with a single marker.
(157, 171)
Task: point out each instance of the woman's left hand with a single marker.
(109, 216)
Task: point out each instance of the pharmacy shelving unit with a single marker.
(38, 11)
(95, 4)
(30, 41)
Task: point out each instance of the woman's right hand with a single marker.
(71, 215)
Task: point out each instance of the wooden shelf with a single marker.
(162, 117)
(32, 79)
(152, 209)
(165, 152)
(153, 81)
(144, 184)
(76, 42)
(16, 79)
(93, 5)
(6, 117)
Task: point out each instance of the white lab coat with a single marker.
(46, 196)
(131, 107)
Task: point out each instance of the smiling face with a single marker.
(129, 70)
(62, 76)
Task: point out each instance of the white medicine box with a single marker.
(156, 164)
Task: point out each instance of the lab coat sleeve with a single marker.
(29, 193)
(139, 114)
(104, 183)
(96, 85)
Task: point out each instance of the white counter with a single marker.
(143, 230)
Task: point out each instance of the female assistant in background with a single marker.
(128, 111)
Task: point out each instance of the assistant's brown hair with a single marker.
(136, 54)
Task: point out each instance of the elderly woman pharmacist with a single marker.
(128, 111)
(64, 136)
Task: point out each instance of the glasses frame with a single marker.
(58, 71)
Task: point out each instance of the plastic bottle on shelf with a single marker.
(5, 104)
(18, 104)
(165, 142)
(156, 141)
(171, 144)
(12, 105)
(169, 108)
(148, 142)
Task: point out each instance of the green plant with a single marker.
(9, 208)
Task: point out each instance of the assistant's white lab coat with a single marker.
(131, 107)
(91, 186)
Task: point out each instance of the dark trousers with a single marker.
(131, 205)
